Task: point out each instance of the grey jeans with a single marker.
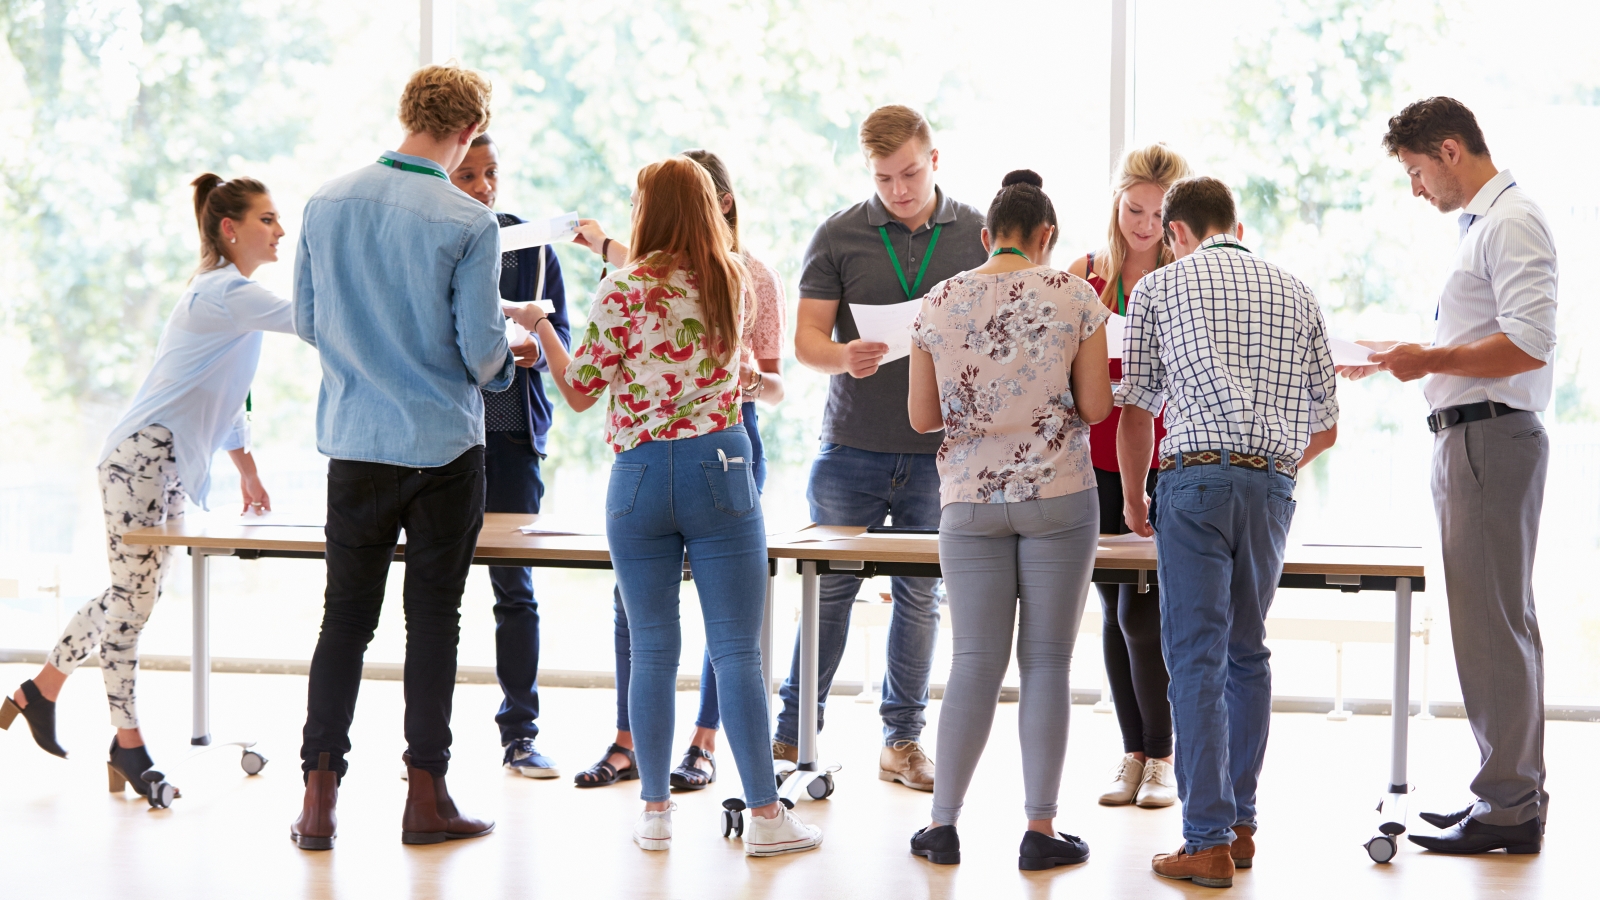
(1035, 558)
(1488, 489)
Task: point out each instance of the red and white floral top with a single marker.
(646, 342)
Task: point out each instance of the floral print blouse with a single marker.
(1002, 348)
(646, 342)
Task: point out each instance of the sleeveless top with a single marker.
(1103, 435)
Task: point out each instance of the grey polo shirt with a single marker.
(848, 262)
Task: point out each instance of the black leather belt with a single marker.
(1455, 415)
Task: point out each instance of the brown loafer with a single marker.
(782, 752)
(1211, 867)
(431, 816)
(1244, 847)
(907, 763)
(317, 825)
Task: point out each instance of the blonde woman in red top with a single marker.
(1131, 635)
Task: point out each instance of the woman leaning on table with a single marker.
(192, 404)
(664, 342)
(1131, 634)
(1010, 360)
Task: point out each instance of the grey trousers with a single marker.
(1034, 557)
(1488, 489)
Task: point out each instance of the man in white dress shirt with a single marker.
(1489, 376)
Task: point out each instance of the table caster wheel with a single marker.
(252, 762)
(733, 818)
(1381, 848)
(821, 787)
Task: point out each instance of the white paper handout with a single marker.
(550, 527)
(1114, 329)
(889, 324)
(286, 518)
(1348, 353)
(539, 233)
(1129, 538)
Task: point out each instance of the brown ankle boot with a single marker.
(317, 825)
(1211, 867)
(431, 816)
(1244, 847)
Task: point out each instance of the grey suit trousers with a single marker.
(1488, 489)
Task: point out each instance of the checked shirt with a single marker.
(1235, 348)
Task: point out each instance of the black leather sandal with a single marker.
(690, 777)
(41, 716)
(603, 772)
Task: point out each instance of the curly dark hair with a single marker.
(1426, 124)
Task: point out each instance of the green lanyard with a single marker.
(997, 252)
(1122, 298)
(1231, 244)
(408, 167)
(911, 292)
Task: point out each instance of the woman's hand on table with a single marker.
(255, 495)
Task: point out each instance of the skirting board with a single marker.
(586, 678)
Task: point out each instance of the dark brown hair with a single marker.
(678, 219)
(724, 185)
(482, 140)
(215, 200)
(1203, 203)
(1021, 208)
(1426, 124)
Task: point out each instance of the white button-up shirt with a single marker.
(1237, 350)
(1503, 280)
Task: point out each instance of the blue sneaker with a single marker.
(523, 759)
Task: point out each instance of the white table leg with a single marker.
(200, 662)
(810, 623)
(1392, 809)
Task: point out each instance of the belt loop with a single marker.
(1177, 461)
(1224, 461)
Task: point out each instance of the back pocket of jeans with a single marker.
(1200, 496)
(1282, 507)
(733, 491)
(623, 489)
(353, 512)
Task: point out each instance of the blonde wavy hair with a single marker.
(1156, 164)
(443, 100)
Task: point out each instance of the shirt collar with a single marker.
(944, 211)
(1217, 240)
(1489, 193)
(415, 161)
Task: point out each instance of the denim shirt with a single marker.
(397, 286)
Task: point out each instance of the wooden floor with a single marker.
(63, 835)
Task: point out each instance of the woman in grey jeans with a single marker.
(1009, 359)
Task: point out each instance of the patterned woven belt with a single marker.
(1245, 460)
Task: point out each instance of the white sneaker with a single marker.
(1125, 780)
(782, 834)
(653, 831)
(1159, 785)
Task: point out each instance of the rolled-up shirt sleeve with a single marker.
(1321, 378)
(1144, 381)
(1521, 262)
(480, 326)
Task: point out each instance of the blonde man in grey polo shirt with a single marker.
(872, 465)
(1489, 376)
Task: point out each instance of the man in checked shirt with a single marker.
(1237, 351)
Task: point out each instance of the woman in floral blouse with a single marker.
(663, 343)
(1010, 361)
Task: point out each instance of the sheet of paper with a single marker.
(549, 307)
(1129, 538)
(551, 526)
(1347, 353)
(890, 324)
(1114, 329)
(538, 233)
(281, 518)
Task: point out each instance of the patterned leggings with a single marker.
(139, 488)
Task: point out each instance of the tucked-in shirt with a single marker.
(848, 262)
(1002, 348)
(1237, 350)
(204, 365)
(1503, 281)
(646, 343)
(397, 285)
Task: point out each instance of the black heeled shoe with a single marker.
(132, 767)
(41, 716)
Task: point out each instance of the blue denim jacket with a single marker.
(397, 286)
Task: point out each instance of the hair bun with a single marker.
(1022, 176)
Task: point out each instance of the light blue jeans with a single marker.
(666, 498)
(1220, 535)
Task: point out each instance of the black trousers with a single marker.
(1131, 641)
(512, 484)
(441, 510)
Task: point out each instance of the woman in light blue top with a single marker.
(192, 404)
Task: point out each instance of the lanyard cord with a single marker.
(1122, 298)
(911, 290)
(408, 167)
(997, 252)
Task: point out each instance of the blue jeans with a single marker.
(1220, 535)
(667, 498)
(512, 485)
(861, 487)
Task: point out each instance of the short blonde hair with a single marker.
(889, 128)
(442, 100)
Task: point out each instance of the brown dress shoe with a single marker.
(431, 816)
(317, 825)
(905, 762)
(1211, 867)
(1244, 847)
(782, 752)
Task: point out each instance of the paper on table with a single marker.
(550, 527)
(281, 519)
(1347, 353)
(537, 234)
(889, 324)
(1114, 327)
(1129, 538)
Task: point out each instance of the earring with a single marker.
(233, 240)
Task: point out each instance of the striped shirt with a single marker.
(1237, 350)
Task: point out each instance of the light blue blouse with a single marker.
(204, 365)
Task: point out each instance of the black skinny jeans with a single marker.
(441, 510)
(1131, 641)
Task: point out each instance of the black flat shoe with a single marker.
(690, 777)
(1445, 820)
(41, 716)
(132, 767)
(1471, 836)
(1040, 851)
(941, 845)
(603, 772)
